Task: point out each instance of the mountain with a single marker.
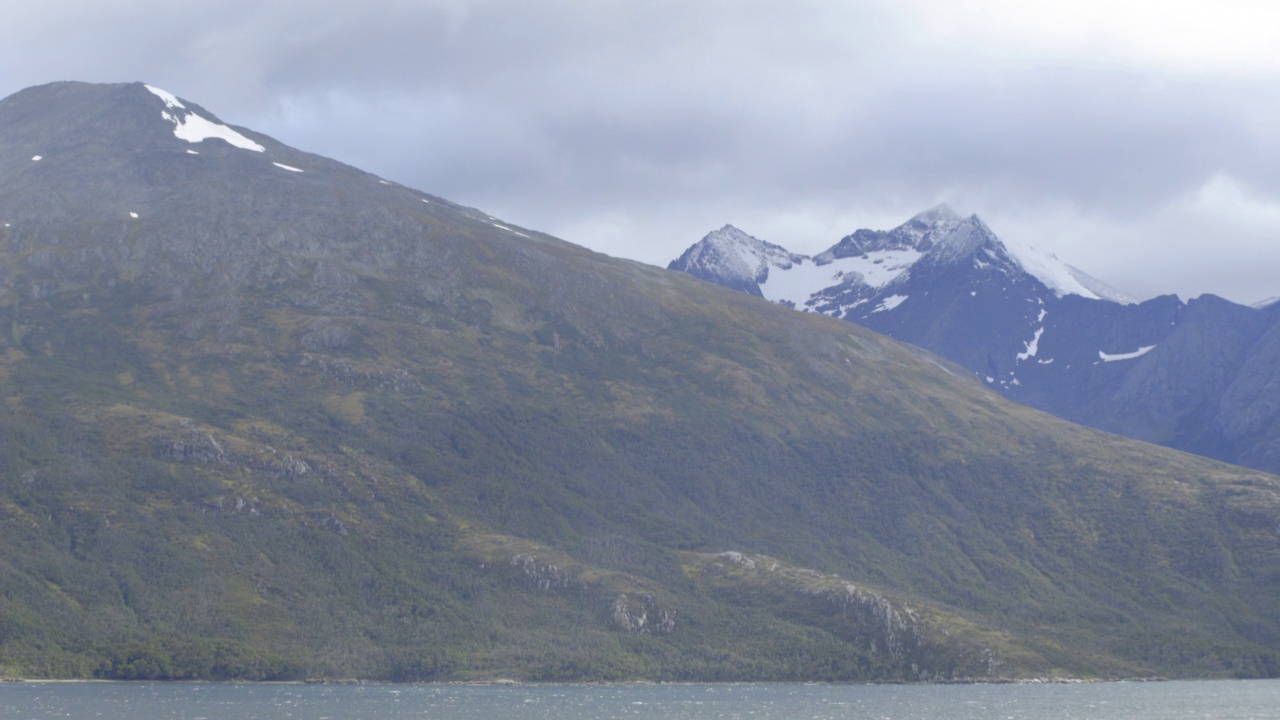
(271, 417)
(736, 260)
(1194, 375)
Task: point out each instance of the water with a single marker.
(1220, 700)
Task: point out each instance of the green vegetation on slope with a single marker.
(254, 509)
(313, 425)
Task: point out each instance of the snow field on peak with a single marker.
(805, 279)
(170, 100)
(193, 128)
(1049, 270)
(1060, 277)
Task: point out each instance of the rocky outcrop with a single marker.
(642, 615)
(915, 643)
(630, 605)
(544, 575)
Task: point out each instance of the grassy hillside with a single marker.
(339, 428)
(389, 507)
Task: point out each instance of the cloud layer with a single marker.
(1135, 140)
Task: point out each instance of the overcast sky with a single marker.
(1138, 141)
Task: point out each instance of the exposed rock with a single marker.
(544, 575)
(642, 615)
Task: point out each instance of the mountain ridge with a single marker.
(1049, 335)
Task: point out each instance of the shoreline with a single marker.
(506, 682)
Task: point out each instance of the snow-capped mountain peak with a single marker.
(964, 237)
(930, 226)
(971, 237)
(940, 214)
(919, 234)
(733, 258)
(867, 266)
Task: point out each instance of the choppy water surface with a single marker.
(1221, 700)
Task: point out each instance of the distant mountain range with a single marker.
(1201, 376)
(267, 416)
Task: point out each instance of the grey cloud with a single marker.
(658, 120)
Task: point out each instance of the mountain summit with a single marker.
(271, 417)
(736, 260)
(920, 234)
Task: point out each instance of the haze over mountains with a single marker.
(269, 416)
(1201, 376)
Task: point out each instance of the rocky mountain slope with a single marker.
(1199, 376)
(270, 417)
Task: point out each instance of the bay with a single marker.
(1221, 700)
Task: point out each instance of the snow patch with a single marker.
(286, 167)
(133, 215)
(1033, 346)
(192, 152)
(844, 309)
(504, 227)
(890, 303)
(1107, 357)
(193, 128)
(37, 158)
